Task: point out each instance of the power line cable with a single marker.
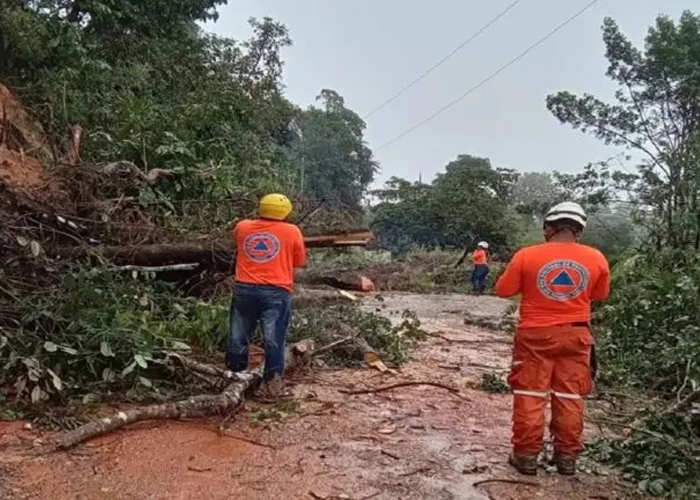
(491, 77)
(441, 61)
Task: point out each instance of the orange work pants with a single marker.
(550, 362)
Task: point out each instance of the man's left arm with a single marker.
(299, 250)
(601, 289)
(510, 282)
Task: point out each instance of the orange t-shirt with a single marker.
(479, 256)
(267, 252)
(557, 282)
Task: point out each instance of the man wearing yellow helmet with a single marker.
(268, 249)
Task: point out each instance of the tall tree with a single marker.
(469, 201)
(656, 115)
(535, 192)
(333, 158)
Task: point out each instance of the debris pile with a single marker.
(55, 210)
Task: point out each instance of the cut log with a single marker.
(298, 355)
(216, 254)
(345, 281)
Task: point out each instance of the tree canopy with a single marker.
(149, 86)
(656, 116)
(468, 202)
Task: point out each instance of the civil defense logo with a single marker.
(261, 247)
(562, 280)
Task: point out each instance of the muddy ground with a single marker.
(415, 442)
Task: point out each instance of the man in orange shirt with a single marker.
(557, 281)
(268, 249)
(481, 267)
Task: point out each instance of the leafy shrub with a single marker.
(650, 341)
(651, 334)
(100, 332)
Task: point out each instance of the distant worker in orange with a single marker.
(481, 270)
(557, 281)
(268, 249)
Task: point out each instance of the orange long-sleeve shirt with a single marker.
(557, 282)
(479, 256)
(267, 252)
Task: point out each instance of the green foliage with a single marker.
(650, 340)
(98, 332)
(150, 87)
(334, 160)
(652, 321)
(656, 116)
(468, 202)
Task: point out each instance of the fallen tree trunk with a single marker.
(215, 254)
(298, 355)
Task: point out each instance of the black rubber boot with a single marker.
(524, 464)
(566, 464)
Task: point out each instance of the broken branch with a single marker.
(400, 384)
(504, 481)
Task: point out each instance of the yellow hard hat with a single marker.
(274, 206)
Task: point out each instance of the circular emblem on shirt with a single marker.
(562, 280)
(261, 247)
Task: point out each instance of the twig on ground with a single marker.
(416, 471)
(450, 367)
(198, 469)
(390, 454)
(248, 440)
(400, 384)
(505, 481)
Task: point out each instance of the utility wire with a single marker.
(491, 77)
(441, 61)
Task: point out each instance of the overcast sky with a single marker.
(367, 50)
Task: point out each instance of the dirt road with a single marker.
(415, 442)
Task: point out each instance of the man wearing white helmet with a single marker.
(557, 280)
(481, 267)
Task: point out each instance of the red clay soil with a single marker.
(416, 442)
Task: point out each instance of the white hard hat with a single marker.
(567, 211)
(482, 244)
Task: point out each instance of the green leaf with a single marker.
(90, 397)
(50, 347)
(145, 382)
(68, 350)
(35, 248)
(181, 346)
(141, 361)
(106, 350)
(55, 379)
(37, 394)
(129, 368)
(108, 374)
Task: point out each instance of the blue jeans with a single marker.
(269, 306)
(479, 274)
